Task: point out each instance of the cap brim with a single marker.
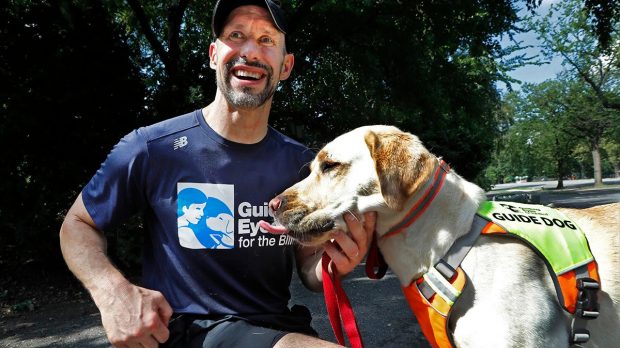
(223, 8)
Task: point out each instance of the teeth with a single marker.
(243, 73)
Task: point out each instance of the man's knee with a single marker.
(295, 340)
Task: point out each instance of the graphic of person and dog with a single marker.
(204, 222)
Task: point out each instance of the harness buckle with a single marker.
(580, 336)
(445, 269)
(587, 300)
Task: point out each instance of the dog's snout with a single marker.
(275, 204)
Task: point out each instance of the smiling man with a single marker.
(225, 281)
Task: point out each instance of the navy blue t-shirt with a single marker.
(202, 197)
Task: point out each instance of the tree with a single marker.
(68, 91)
(550, 122)
(552, 103)
(564, 31)
(603, 16)
(172, 40)
(536, 144)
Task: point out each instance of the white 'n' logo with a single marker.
(180, 142)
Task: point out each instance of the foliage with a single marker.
(564, 122)
(77, 75)
(69, 90)
(426, 67)
(603, 16)
(564, 32)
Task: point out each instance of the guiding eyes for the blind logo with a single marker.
(205, 219)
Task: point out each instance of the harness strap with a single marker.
(586, 308)
(461, 247)
(456, 254)
(339, 307)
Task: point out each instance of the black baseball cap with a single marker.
(223, 8)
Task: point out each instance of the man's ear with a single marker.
(402, 165)
(213, 55)
(287, 66)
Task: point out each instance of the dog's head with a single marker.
(372, 168)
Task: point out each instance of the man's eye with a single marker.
(266, 40)
(235, 35)
(327, 166)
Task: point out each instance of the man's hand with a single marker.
(348, 250)
(135, 317)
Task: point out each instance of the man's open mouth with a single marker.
(247, 75)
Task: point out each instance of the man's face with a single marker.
(249, 58)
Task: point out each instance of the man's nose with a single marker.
(249, 50)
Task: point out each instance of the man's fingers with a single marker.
(149, 342)
(339, 260)
(370, 220)
(161, 332)
(349, 247)
(165, 311)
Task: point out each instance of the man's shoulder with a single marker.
(171, 126)
(289, 142)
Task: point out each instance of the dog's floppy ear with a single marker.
(401, 162)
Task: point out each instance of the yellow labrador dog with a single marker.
(512, 301)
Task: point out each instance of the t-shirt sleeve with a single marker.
(116, 192)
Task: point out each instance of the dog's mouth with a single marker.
(305, 234)
(273, 229)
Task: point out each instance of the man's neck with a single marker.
(245, 126)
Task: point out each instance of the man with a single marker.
(235, 295)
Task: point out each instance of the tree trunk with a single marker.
(596, 161)
(617, 169)
(560, 168)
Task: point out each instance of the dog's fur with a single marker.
(511, 300)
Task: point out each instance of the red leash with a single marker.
(338, 306)
(375, 260)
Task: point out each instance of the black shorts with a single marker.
(193, 331)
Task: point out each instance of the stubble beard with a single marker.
(244, 98)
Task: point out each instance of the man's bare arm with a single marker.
(131, 315)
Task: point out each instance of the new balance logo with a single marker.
(180, 142)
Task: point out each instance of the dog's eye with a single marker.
(327, 166)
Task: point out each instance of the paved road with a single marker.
(576, 194)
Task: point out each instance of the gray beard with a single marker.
(244, 99)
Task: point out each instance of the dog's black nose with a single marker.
(274, 204)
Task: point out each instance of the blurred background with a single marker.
(506, 91)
